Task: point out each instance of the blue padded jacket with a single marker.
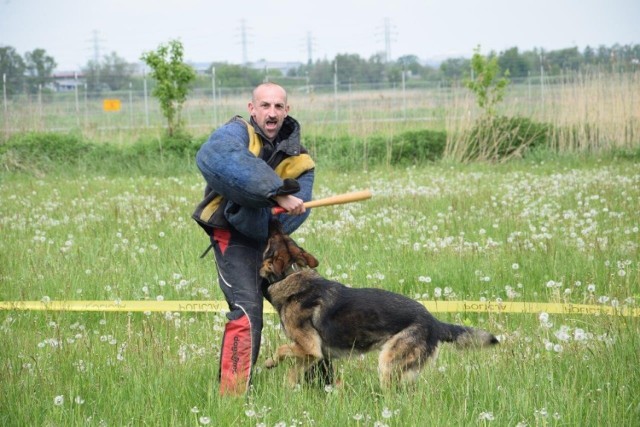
(243, 171)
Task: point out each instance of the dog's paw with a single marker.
(269, 363)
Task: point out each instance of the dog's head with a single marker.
(283, 256)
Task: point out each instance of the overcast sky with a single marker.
(72, 31)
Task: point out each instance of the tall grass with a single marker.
(590, 112)
(555, 230)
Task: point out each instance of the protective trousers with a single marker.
(238, 260)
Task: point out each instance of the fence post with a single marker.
(146, 98)
(130, 105)
(4, 100)
(40, 108)
(541, 84)
(404, 96)
(213, 92)
(335, 89)
(86, 105)
(4, 91)
(77, 101)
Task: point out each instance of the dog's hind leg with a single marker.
(402, 358)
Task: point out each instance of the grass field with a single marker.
(564, 230)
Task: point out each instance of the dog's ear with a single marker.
(312, 262)
(276, 258)
(301, 257)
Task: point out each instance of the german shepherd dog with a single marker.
(327, 320)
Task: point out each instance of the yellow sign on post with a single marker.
(111, 105)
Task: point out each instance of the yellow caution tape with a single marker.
(221, 306)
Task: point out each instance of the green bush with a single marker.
(500, 138)
(55, 147)
(419, 146)
(413, 147)
(40, 153)
(179, 145)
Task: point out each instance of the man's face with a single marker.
(269, 109)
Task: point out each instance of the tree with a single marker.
(453, 68)
(351, 68)
(112, 73)
(12, 67)
(486, 83)
(173, 78)
(40, 68)
(322, 72)
(515, 63)
(116, 71)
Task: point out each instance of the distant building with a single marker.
(67, 81)
(284, 67)
(201, 67)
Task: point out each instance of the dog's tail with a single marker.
(466, 337)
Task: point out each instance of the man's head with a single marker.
(269, 107)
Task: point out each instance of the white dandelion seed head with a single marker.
(486, 416)
(58, 400)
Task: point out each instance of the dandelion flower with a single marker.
(486, 416)
(204, 420)
(58, 400)
(386, 413)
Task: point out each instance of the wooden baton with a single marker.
(339, 199)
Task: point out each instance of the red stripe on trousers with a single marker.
(222, 237)
(235, 359)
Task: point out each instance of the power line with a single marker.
(244, 42)
(96, 42)
(389, 34)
